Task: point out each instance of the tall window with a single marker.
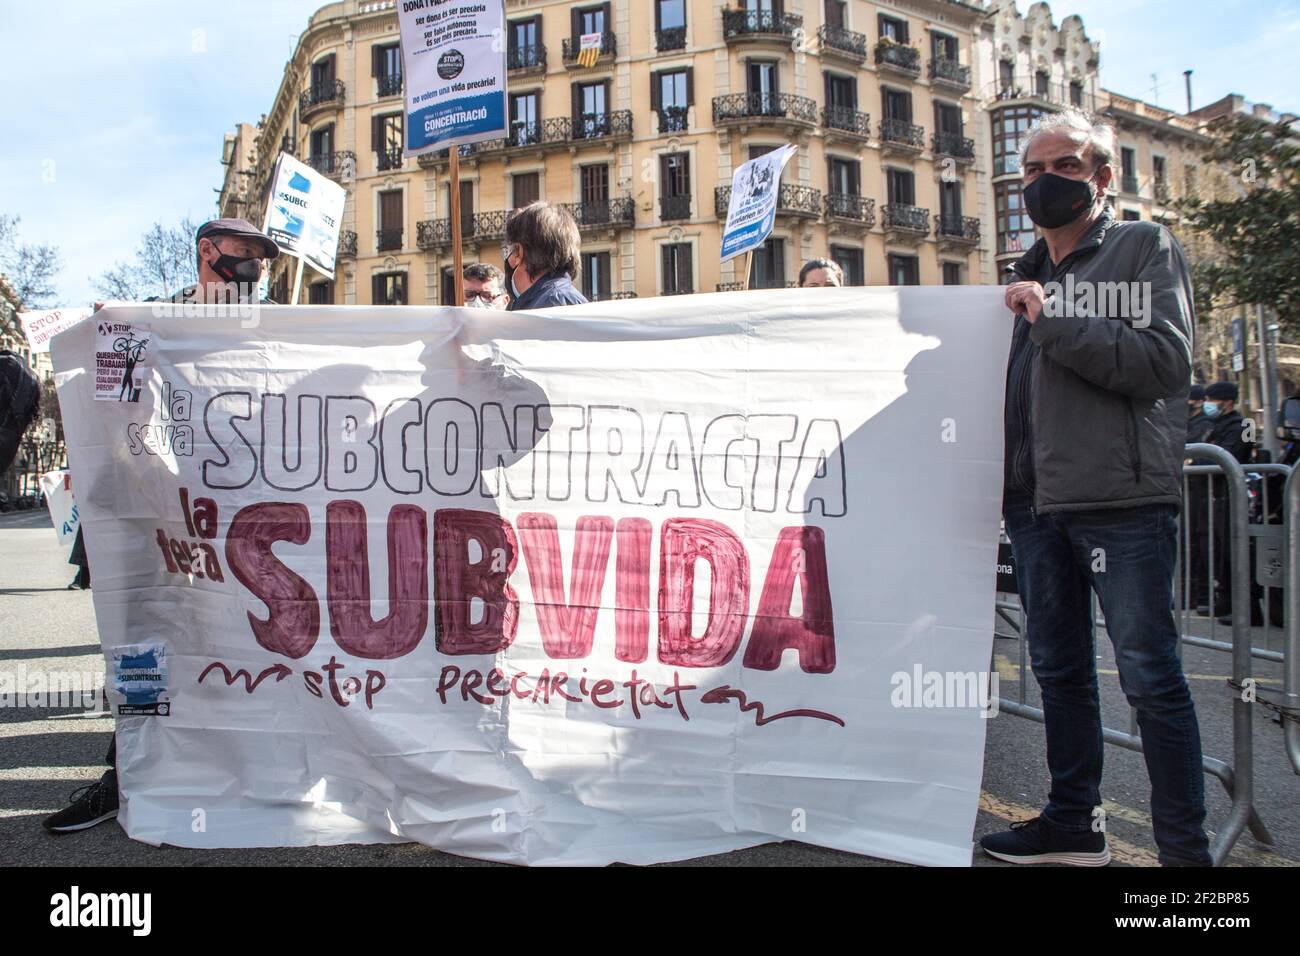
(1128, 167)
(893, 28)
(943, 46)
(897, 105)
(386, 140)
(670, 25)
(950, 218)
(1040, 84)
(1076, 93)
(390, 221)
(952, 273)
(388, 288)
(591, 20)
(595, 183)
(1009, 125)
(525, 48)
(591, 116)
(386, 68)
(834, 11)
(524, 188)
(675, 186)
(1006, 77)
(849, 259)
(322, 78)
(763, 86)
(677, 272)
(322, 147)
(841, 91)
(901, 187)
(768, 269)
(320, 293)
(525, 127)
(903, 270)
(842, 176)
(1015, 228)
(595, 275)
(671, 94)
(947, 119)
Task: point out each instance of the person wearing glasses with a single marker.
(485, 287)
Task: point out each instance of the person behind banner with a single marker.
(541, 254)
(1095, 421)
(485, 287)
(820, 273)
(230, 259)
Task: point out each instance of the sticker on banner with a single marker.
(122, 356)
(140, 676)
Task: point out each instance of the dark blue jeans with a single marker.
(1127, 556)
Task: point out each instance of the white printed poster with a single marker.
(304, 213)
(633, 581)
(755, 188)
(40, 327)
(454, 64)
(56, 487)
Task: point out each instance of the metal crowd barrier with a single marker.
(1278, 558)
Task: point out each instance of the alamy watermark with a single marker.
(1130, 301)
(23, 687)
(977, 690)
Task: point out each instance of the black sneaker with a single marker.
(1037, 841)
(91, 805)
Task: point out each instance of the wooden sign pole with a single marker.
(297, 282)
(744, 280)
(457, 266)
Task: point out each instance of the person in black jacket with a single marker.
(542, 256)
(1194, 529)
(1231, 432)
(20, 400)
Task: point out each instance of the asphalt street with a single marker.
(46, 753)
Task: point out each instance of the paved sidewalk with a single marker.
(45, 754)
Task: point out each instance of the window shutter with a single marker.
(376, 289)
(377, 133)
(577, 105)
(686, 174)
(376, 60)
(826, 87)
(606, 20)
(329, 69)
(778, 262)
(684, 283)
(690, 86)
(656, 90)
(666, 266)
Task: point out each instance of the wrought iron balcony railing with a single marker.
(673, 119)
(347, 245)
(951, 73)
(1033, 87)
(388, 240)
(958, 228)
(340, 165)
(479, 227)
(320, 96)
(599, 125)
(791, 200)
(955, 145)
(845, 119)
(901, 133)
(744, 24)
(387, 159)
(603, 213)
(1128, 184)
(623, 295)
(898, 57)
(841, 42)
(526, 59)
(851, 208)
(906, 219)
(390, 84)
(573, 45)
(733, 107)
(675, 207)
(672, 38)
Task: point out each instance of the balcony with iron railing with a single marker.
(850, 209)
(615, 213)
(898, 58)
(802, 202)
(764, 109)
(389, 84)
(319, 97)
(846, 122)
(670, 38)
(526, 59)
(573, 46)
(846, 44)
(341, 165)
(949, 73)
(347, 245)
(610, 125)
(388, 240)
(475, 229)
(901, 136)
(674, 207)
(673, 119)
(956, 230)
(388, 159)
(905, 223)
(1128, 183)
(556, 132)
(744, 25)
(960, 148)
(1035, 89)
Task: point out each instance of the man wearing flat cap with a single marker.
(230, 253)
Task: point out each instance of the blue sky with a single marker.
(122, 127)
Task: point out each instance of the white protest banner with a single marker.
(40, 327)
(304, 212)
(755, 187)
(56, 486)
(454, 62)
(638, 580)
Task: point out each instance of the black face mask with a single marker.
(237, 268)
(509, 284)
(1054, 201)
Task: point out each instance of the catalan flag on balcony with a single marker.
(589, 49)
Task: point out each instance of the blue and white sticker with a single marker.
(140, 678)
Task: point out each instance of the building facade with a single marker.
(881, 99)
